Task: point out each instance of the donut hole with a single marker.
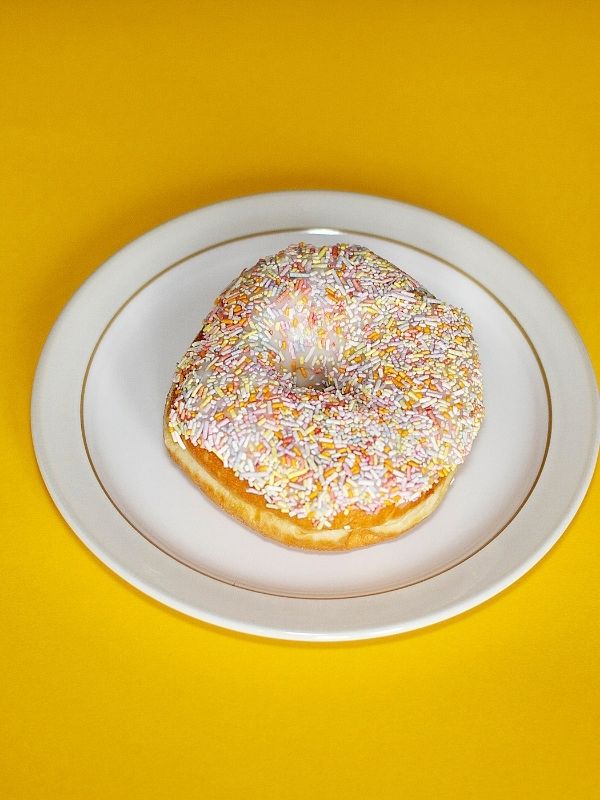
(301, 336)
(319, 381)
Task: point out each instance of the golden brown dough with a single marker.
(357, 529)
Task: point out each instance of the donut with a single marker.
(327, 400)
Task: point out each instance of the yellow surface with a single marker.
(120, 115)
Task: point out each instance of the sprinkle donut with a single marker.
(328, 398)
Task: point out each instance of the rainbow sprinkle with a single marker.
(329, 380)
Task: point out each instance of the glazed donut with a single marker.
(328, 398)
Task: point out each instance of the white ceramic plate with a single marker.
(104, 374)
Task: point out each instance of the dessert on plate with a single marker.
(328, 398)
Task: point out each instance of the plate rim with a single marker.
(299, 631)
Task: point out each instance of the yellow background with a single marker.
(120, 115)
